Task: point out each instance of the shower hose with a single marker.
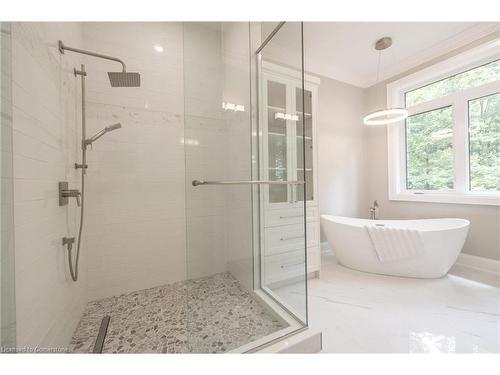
(74, 271)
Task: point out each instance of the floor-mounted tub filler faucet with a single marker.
(374, 211)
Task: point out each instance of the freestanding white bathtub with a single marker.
(425, 248)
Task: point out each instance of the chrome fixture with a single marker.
(117, 79)
(65, 193)
(68, 241)
(387, 115)
(373, 211)
(254, 182)
(107, 129)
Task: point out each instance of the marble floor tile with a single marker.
(366, 313)
(208, 315)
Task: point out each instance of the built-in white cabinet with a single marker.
(284, 157)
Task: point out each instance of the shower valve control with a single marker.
(65, 193)
(68, 241)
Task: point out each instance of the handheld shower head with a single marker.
(95, 137)
(113, 127)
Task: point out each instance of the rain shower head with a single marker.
(117, 79)
(124, 79)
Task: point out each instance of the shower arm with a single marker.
(63, 48)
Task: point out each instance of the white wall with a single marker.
(341, 153)
(45, 117)
(135, 220)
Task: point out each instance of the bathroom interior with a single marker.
(241, 187)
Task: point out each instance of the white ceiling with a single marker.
(344, 50)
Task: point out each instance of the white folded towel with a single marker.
(395, 243)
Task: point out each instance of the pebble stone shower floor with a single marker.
(208, 315)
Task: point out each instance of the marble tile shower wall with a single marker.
(7, 272)
(147, 225)
(136, 215)
(46, 132)
(135, 232)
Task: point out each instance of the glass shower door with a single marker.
(229, 306)
(283, 234)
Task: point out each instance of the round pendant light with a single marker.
(387, 115)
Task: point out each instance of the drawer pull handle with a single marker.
(291, 264)
(289, 216)
(290, 238)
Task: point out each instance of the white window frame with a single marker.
(396, 137)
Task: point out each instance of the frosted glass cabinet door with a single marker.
(277, 141)
(304, 133)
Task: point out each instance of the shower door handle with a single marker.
(249, 182)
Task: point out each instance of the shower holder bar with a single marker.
(242, 182)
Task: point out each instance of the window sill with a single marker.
(453, 198)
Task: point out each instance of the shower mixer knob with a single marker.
(65, 193)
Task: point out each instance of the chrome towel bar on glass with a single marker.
(255, 182)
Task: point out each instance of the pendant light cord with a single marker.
(378, 73)
(378, 66)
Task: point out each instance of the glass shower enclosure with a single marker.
(240, 180)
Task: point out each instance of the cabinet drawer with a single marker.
(283, 216)
(290, 237)
(284, 266)
(284, 238)
(287, 216)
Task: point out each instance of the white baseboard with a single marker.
(479, 263)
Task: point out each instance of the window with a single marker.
(448, 149)
(429, 150)
(471, 78)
